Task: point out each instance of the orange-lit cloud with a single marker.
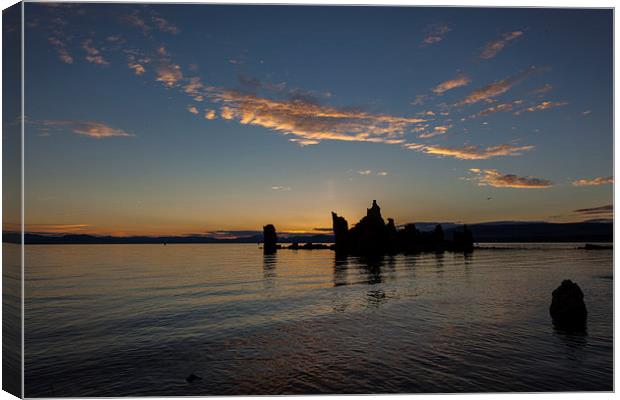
(87, 128)
(496, 88)
(438, 130)
(93, 55)
(470, 152)
(492, 177)
(47, 228)
(193, 110)
(458, 81)
(312, 122)
(169, 74)
(435, 33)
(61, 50)
(594, 181)
(491, 49)
(210, 114)
(542, 106)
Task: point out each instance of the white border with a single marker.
(458, 3)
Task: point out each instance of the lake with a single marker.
(130, 320)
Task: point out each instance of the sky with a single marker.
(194, 119)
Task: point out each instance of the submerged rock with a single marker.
(568, 310)
(193, 378)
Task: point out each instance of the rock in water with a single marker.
(270, 239)
(568, 309)
(193, 378)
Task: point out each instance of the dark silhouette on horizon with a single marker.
(371, 235)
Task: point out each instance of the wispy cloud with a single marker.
(497, 88)
(498, 108)
(164, 26)
(61, 50)
(93, 55)
(594, 181)
(437, 130)
(310, 121)
(586, 112)
(193, 110)
(491, 49)
(470, 152)
(458, 81)
(542, 106)
(435, 33)
(492, 177)
(193, 88)
(369, 172)
(93, 129)
(602, 210)
(543, 89)
(281, 188)
(53, 228)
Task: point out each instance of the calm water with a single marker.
(115, 320)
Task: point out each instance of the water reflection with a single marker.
(341, 265)
(269, 270)
(371, 267)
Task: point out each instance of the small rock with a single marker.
(568, 309)
(193, 378)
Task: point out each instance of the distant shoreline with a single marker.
(500, 232)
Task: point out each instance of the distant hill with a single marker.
(502, 231)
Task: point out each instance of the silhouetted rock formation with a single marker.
(270, 239)
(371, 235)
(568, 309)
(341, 232)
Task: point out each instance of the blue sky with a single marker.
(193, 118)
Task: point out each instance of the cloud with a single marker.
(470, 152)
(169, 74)
(542, 106)
(594, 181)
(491, 49)
(193, 110)
(419, 100)
(543, 89)
(438, 130)
(93, 55)
(586, 112)
(164, 25)
(193, 88)
(53, 228)
(61, 50)
(137, 68)
(458, 81)
(382, 173)
(310, 121)
(492, 177)
(93, 129)
(365, 172)
(435, 33)
(210, 114)
(607, 209)
(496, 88)
(281, 188)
